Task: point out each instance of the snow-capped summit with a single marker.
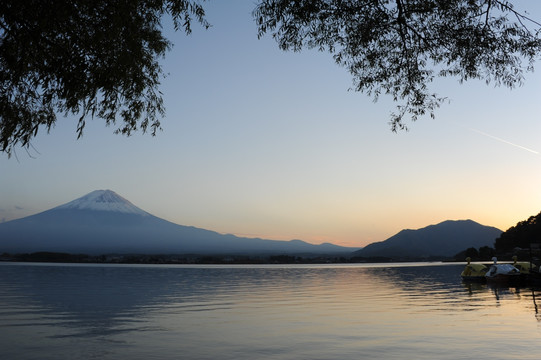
(103, 200)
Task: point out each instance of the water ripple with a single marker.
(317, 312)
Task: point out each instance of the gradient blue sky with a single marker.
(258, 142)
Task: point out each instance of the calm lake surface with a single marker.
(410, 311)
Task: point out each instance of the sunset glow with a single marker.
(261, 143)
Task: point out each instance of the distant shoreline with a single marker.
(220, 259)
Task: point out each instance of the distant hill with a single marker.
(102, 222)
(442, 240)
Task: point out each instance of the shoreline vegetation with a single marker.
(191, 258)
(59, 257)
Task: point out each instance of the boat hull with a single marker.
(503, 273)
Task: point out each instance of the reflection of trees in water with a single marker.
(473, 287)
(537, 316)
(504, 291)
(534, 293)
(442, 281)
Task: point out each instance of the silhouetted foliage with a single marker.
(45, 256)
(397, 47)
(521, 235)
(486, 252)
(471, 253)
(96, 58)
(99, 58)
(283, 259)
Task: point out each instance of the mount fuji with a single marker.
(103, 222)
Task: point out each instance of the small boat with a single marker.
(524, 267)
(529, 271)
(474, 272)
(502, 272)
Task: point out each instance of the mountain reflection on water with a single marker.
(323, 311)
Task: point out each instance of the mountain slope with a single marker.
(441, 240)
(103, 222)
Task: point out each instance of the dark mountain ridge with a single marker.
(441, 240)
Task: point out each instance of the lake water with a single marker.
(413, 311)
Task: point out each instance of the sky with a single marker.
(258, 142)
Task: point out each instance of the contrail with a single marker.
(503, 141)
